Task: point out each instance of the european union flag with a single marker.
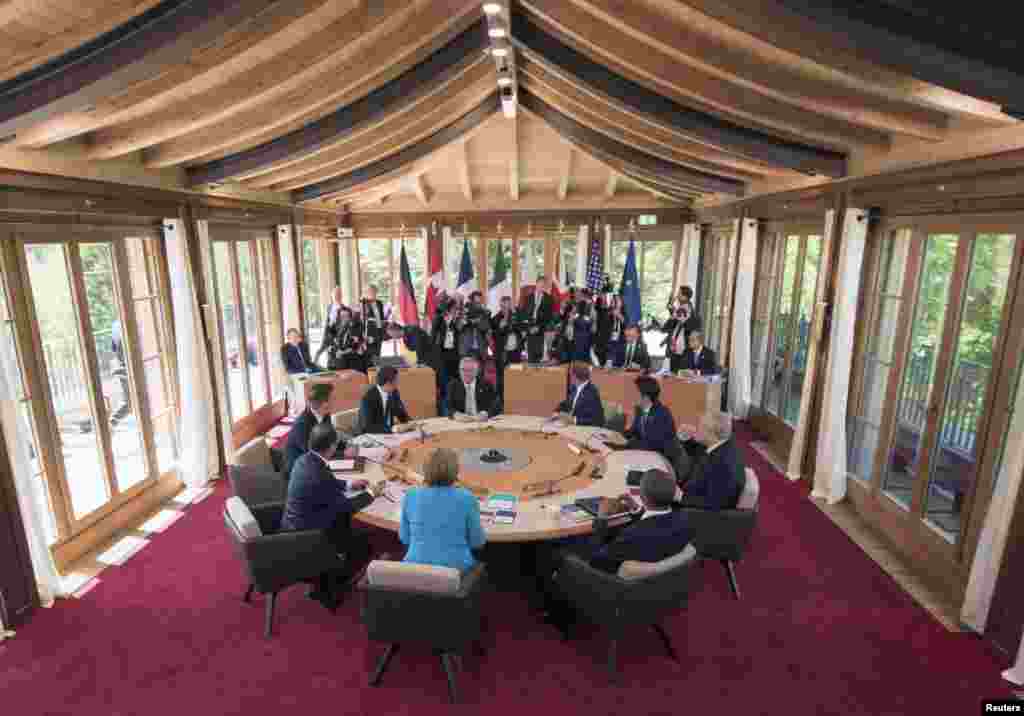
(630, 287)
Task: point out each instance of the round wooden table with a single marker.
(561, 465)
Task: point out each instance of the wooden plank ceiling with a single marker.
(393, 105)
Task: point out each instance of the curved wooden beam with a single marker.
(452, 133)
(928, 46)
(590, 140)
(273, 32)
(398, 41)
(678, 32)
(700, 125)
(19, 53)
(420, 80)
(139, 48)
(702, 156)
(413, 121)
(664, 74)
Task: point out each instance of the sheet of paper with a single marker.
(339, 465)
(280, 431)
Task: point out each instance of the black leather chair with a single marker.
(257, 485)
(725, 534)
(275, 560)
(411, 603)
(640, 595)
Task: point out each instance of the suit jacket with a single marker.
(656, 433)
(502, 333)
(718, 479)
(293, 356)
(316, 497)
(640, 357)
(706, 362)
(437, 336)
(645, 540)
(545, 312)
(472, 342)
(486, 397)
(372, 415)
(589, 408)
(375, 329)
(298, 440)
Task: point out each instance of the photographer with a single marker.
(506, 327)
(473, 338)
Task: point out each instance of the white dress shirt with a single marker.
(579, 391)
(470, 398)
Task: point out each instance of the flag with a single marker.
(501, 282)
(527, 273)
(406, 293)
(466, 283)
(595, 264)
(630, 288)
(435, 269)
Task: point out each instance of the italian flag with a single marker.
(501, 281)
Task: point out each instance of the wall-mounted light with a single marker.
(492, 8)
(500, 52)
(496, 32)
(504, 81)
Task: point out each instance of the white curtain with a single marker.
(198, 460)
(446, 240)
(830, 464)
(798, 445)
(582, 246)
(739, 371)
(289, 278)
(31, 496)
(690, 263)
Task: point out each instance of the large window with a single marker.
(99, 406)
(764, 300)
(312, 301)
(243, 272)
(531, 263)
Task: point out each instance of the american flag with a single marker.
(595, 264)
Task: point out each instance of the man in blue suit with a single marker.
(698, 358)
(295, 354)
(583, 404)
(317, 500)
(632, 354)
(317, 411)
(719, 477)
(381, 407)
(653, 426)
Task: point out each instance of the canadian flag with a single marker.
(435, 267)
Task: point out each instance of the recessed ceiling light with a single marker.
(942, 187)
(504, 81)
(496, 32)
(492, 8)
(499, 51)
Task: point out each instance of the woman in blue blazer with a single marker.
(441, 523)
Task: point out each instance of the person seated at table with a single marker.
(295, 354)
(470, 395)
(632, 355)
(583, 404)
(317, 500)
(440, 522)
(719, 477)
(316, 412)
(381, 406)
(653, 425)
(698, 359)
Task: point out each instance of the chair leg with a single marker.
(248, 593)
(446, 661)
(730, 570)
(382, 664)
(666, 641)
(613, 669)
(271, 600)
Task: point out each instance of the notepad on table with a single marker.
(279, 431)
(504, 506)
(574, 513)
(343, 465)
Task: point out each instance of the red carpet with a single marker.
(820, 630)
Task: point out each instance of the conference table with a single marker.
(547, 465)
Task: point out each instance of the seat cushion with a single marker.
(410, 577)
(243, 518)
(640, 570)
(751, 491)
(254, 453)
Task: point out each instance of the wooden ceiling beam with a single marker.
(462, 157)
(679, 32)
(374, 140)
(399, 161)
(700, 125)
(273, 32)
(612, 185)
(563, 182)
(135, 50)
(664, 74)
(419, 188)
(577, 133)
(420, 80)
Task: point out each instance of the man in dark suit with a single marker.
(381, 407)
(373, 323)
(317, 500)
(332, 316)
(720, 475)
(675, 341)
(653, 426)
(584, 404)
(470, 395)
(445, 337)
(316, 412)
(632, 355)
(698, 358)
(540, 309)
(507, 341)
(295, 354)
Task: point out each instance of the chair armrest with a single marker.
(721, 534)
(285, 558)
(268, 516)
(596, 593)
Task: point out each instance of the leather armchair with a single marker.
(275, 560)
(446, 622)
(257, 485)
(619, 605)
